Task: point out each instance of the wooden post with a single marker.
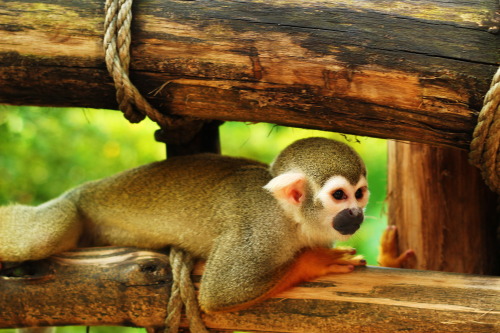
(202, 137)
(443, 209)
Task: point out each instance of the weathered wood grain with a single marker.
(119, 286)
(414, 70)
(443, 209)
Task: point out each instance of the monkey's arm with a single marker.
(310, 264)
(389, 254)
(227, 288)
(235, 273)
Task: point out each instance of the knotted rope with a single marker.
(485, 145)
(135, 108)
(117, 56)
(182, 294)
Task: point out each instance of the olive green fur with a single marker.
(320, 158)
(213, 206)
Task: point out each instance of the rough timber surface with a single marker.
(122, 286)
(412, 69)
(426, 190)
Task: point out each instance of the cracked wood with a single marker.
(411, 70)
(127, 287)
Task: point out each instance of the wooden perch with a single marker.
(412, 70)
(120, 286)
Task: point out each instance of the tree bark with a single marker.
(442, 209)
(126, 287)
(394, 69)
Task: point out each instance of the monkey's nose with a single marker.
(348, 221)
(354, 211)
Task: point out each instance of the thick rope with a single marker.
(485, 145)
(117, 55)
(135, 107)
(182, 293)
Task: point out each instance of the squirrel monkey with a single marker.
(262, 229)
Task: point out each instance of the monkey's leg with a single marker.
(389, 254)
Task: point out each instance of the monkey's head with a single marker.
(321, 184)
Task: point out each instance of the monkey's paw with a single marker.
(389, 254)
(325, 261)
(344, 259)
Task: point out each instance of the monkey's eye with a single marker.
(339, 195)
(359, 194)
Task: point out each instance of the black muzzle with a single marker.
(348, 221)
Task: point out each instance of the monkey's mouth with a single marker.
(348, 221)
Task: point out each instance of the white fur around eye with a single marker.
(341, 183)
(333, 184)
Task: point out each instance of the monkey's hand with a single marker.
(389, 254)
(307, 265)
(314, 263)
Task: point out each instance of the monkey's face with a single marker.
(342, 205)
(325, 214)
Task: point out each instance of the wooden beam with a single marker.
(412, 70)
(120, 286)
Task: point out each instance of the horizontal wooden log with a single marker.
(413, 70)
(120, 286)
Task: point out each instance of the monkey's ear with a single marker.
(289, 187)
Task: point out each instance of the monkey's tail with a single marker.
(32, 233)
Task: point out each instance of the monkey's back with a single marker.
(164, 203)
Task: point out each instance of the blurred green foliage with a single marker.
(45, 151)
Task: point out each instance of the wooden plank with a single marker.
(119, 286)
(414, 70)
(442, 209)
